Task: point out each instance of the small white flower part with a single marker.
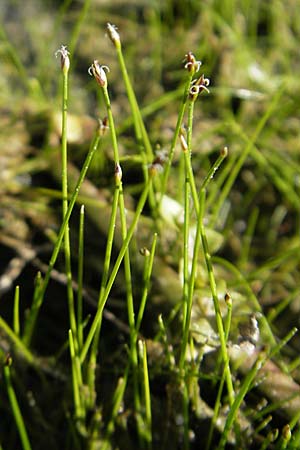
(98, 72)
(206, 82)
(191, 63)
(113, 33)
(196, 63)
(64, 57)
(197, 86)
(62, 51)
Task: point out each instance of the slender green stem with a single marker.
(186, 260)
(91, 377)
(16, 409)
(115, 270)
(80, 277)
(147, 394)
(175, 136)
(59, 239)
(144, 426)
(64, 182)
(117, 401)
(238, 401)
(146, 278)
(153, 107)
(217, 405)
(228, 301)
(147, 389)
(216, 187)
(294, 365)
(111, 125)
(223, 154)
(127, 269)
(263, 424)
(17, 341)
(31, 318)
(76, 379)
(207, 179)
(283, 342)
(16, 320)
(199, 231)
(110, 238)
(191, 284)
(130, 306)
(138, 123)
(188, 154)
(189, 180)
(213, 288)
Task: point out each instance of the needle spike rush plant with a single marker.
(149, 275)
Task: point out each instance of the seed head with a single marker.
(113, 35)
(98, 72)
(64, 57)
(197, 86)
(192, 65)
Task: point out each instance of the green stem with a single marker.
(117, 401)
(76, 379)
(235, 406)
(31, 318)
(187, 296)
(147, 432)
(17, 341)
(138, 123)
(175, 136)
(94, 350)
(213, 289)
(80, 277)
(115, 270)
(127, 269)
(17, 311)
(43, 287)
(221, 385)
(146, 278)
(64, 180)
(16, 409)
